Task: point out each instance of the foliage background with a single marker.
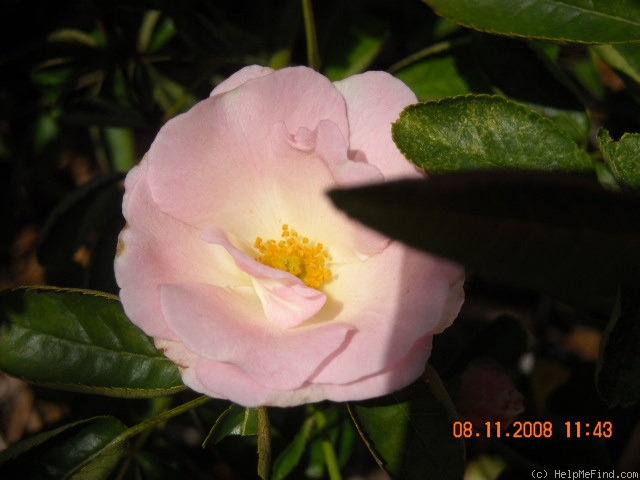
(84, 87)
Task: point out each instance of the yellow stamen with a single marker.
(296, 255)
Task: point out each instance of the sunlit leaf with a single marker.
(481, 131)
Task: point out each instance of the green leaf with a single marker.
(88, 449)
(580, 21)
(409, 432)
(81, 341)
(623, 156)
(481, 131)
(439, 74)
(552, 232)
(618, 370)
(235, 420)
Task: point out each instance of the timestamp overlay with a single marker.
(535, 429)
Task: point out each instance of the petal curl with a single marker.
(370, 117)
(286, 300)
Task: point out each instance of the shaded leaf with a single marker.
(81, 341)
(623, 156)
(552, 232)
(88, 449)
(560, 20)
(618, 372)
(409, 432)
(481, 131)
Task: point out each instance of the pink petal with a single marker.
(227, 325)
(185, 360)
(241, 77)
(155, 248)
(393, 298)
(226, 173)
(242, 389)
(370, 117)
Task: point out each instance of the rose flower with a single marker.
(235, 261)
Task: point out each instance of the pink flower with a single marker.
(236, 262)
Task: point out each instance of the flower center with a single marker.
(297, 255)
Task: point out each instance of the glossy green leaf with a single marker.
(580, 21)
(409, 432)
(552, 232)
(623, 156)
(618, 371)
(481, 131)
(88, 449)
(235, 420)
(81, 341)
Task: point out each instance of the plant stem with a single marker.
(427, 52)
(264, 444)
(331, 460)
(313, 55)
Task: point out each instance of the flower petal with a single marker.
(370, 117)
(242, 389)
(241, 77)
(394, 298)
(154, 248)
(228, 325)
(226, 170)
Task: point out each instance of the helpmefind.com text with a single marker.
(575, 474)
